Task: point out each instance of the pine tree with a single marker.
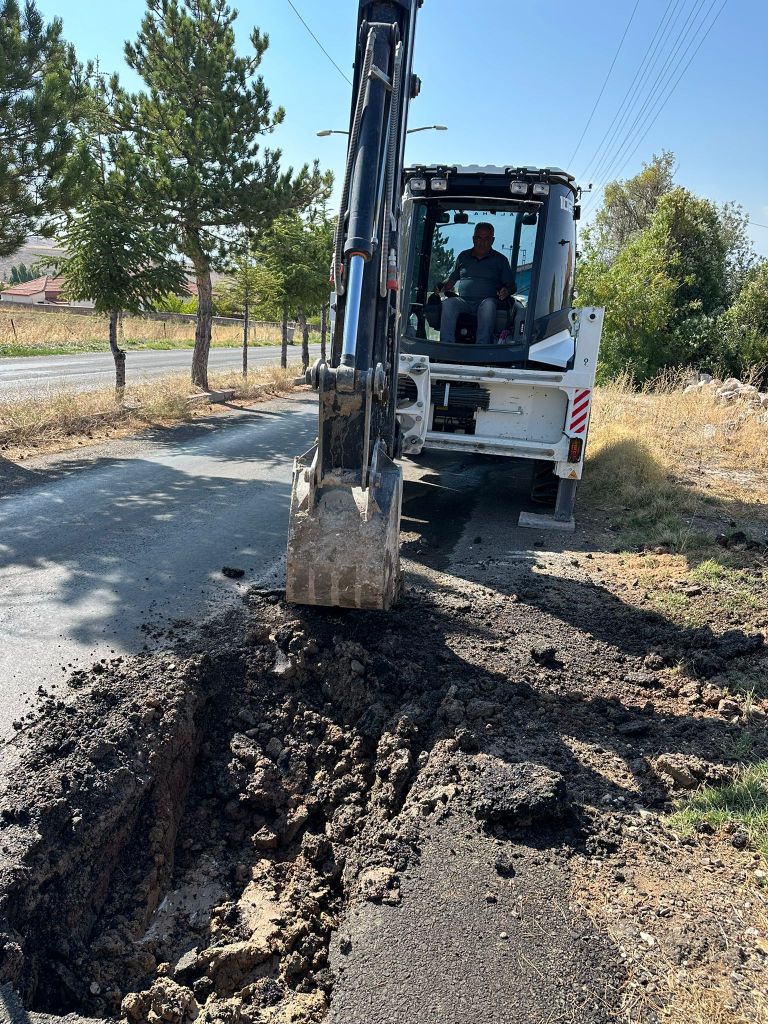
(197, 134)
(39, 88)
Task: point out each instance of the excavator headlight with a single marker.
(540, 188)
(518, 188)
(418, 184)
(439, 184)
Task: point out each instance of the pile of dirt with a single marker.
(183, 840)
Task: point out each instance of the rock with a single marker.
(246, 750)
(654, 661)
(264, 839)
(467, 741)
(379, 885)
(274, 748)
(543, 654)
(186, 964)
(737, 644)
(687, 771)
(728, 707)
(232, 573)
(516, 793)
(452, 711)
(635, 727)
(707, 663)
(164, 1001)
(675, 767)
(357, 667)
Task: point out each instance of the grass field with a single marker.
(65, 419)
(662, 460)
(27, 333)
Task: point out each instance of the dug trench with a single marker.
(310, 815)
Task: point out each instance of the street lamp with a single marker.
(428, 128)
(425, 128)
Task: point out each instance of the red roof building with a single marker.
(41, 290)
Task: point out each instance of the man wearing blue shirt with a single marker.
(482, 276)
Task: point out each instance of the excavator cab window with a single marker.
(442, 230)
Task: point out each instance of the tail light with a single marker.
(575, 448)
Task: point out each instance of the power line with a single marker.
(645, 81)
(646, 127)
(605, 82)
(595, 156)
(756, 225)
(330, 58)
(656, 87)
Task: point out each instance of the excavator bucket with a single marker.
(343, 540)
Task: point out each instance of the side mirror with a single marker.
(577, 212)
(529, 218)
(461, 218)
(443, 218)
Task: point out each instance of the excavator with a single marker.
(395, 384)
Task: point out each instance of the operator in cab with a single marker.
(482, 276)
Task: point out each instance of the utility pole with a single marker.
(246, 301)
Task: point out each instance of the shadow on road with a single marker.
(92, 543)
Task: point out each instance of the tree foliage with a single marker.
(196, 139)
(745, 325)
(666, 264)
(21, 273)
(39, 90)
(116, 256)
(628, 207)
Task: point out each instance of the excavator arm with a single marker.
(343, 533)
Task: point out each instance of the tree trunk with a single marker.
(118, 355)
(284, 348)
(245, 336)
(304, 341)
(323, 329)
(204, 317)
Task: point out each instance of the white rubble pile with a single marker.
(729, 390)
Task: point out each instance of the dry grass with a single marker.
(662, 459)
(64, 419)
(26, 332)
(692, 430)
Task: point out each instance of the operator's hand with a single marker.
(503, 293)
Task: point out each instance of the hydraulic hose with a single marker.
(393, 153)
(354, 136)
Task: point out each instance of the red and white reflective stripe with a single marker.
(580, 411)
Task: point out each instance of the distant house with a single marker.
(42, 290)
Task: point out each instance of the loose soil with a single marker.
(207, 834)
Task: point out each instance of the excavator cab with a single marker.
(533, 213)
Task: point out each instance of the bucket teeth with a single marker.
(343, 541)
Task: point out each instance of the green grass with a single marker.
(738, 748)
(740, 589)
(743, 803)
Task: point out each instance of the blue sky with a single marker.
(515, 83)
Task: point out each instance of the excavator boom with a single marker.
(343, 534)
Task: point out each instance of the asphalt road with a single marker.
(100, 543)
(91, 370)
